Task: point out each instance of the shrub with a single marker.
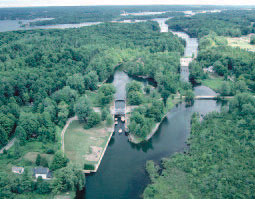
(109, 120)
(50, 151)
(93, 120)
(135, 98)
(104, 114)
(89, 166)
(252, 40)
(189, 97)
(147, 89)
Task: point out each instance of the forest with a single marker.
(163, 69)
(219, 162)
(79, 14)
(232, 23)
(48, 75)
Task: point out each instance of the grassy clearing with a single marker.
(172, 101)
(68, 195)
(93, 98)
(31, 156)
(85, 145)
(213, 83)
(242, 42)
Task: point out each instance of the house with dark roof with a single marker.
(18, 170)
(44, 172)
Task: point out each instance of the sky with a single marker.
(28, 3)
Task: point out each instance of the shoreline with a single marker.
(102, 155)
(147, 78)
(136, 140)
(96, 166)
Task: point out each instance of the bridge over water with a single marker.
(119, 108)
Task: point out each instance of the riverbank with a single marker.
(169, 105)
(214, 82)
(101, 157)
(86, 147)
(143, 77)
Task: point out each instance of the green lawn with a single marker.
(213, 83)
(241, 42)
(85, 145)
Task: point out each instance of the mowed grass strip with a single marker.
(241, 42)
(213, 83)
(78, 142)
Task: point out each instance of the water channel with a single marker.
(122, 173)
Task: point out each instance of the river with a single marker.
(122, 173)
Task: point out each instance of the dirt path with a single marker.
(8, 146)
(64, 130)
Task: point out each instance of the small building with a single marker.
(208, 70)
(44, 172)
(18, 170)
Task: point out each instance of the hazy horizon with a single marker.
(48, 3)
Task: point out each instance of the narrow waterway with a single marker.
(122, 173)
(191, 44)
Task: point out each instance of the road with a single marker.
(8, 146)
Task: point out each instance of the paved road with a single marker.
(64, 130)
(9, 145)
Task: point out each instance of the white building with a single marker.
(18, 170)
(43, 172)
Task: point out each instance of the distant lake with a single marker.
(12, 25)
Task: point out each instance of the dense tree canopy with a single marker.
(47, 76)
(78, 14)
(232, 23)
(106, 94)
(134, 93)
(47, 70)
(219, 163)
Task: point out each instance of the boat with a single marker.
(120, 130)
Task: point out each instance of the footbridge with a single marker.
(208, 97)
(119, 108)
(212, 97)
